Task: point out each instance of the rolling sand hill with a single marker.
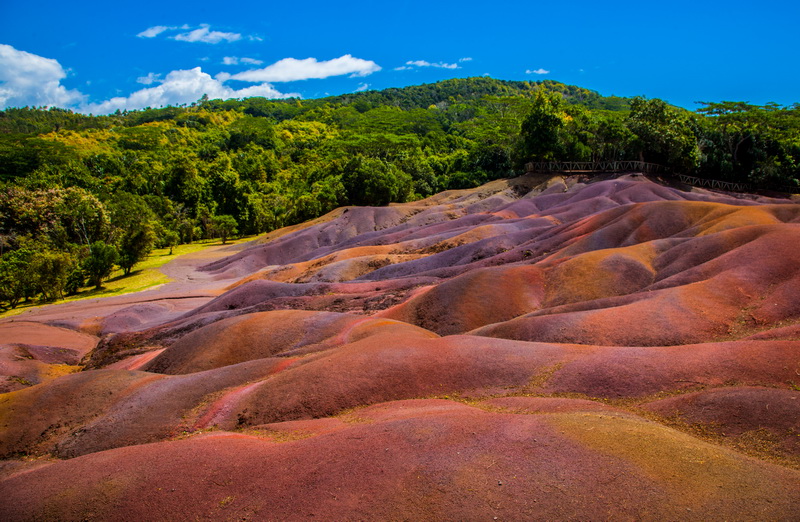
(537, 348)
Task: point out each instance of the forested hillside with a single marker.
(81, 194)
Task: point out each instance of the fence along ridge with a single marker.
(588, 167)
(595, 166)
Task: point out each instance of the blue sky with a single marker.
(100, 56)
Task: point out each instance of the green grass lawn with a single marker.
(143, 276)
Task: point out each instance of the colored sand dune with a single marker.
(536, 348)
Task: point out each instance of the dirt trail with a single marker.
(73, 329)
(188, 289)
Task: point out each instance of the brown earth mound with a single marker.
(537, 348)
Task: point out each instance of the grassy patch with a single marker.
(145, 275)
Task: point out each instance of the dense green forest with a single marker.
(81, 194)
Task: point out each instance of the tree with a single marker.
(186, 228)
(133, 222)
(225, 226)
(51, 270)
(83, 217)
(665, 134)
(751, 142)
(135, 244)
(181, 222)
(539, 137)
(251, 130)
(170, 238)
(205, 217)
(371, 181)
(100, 263)
(75, 280)
(16, 277)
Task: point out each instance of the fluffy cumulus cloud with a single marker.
(363, 87)
(29, 79)
(203, 34)
(537, 71)
(179, 87)
(291, 69)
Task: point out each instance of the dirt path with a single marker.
(48, 341)
(188, 289)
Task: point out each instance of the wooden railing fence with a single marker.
(595, 166)
(600, 167)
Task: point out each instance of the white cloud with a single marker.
(154, 31)
(291, 69)
(29, 79)
(179, 87)
(203, 33)
(235, 60)
(206, 35)
(466, 59)
(537, 71)
(150, 79)
(423, 63)
(362, 87)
